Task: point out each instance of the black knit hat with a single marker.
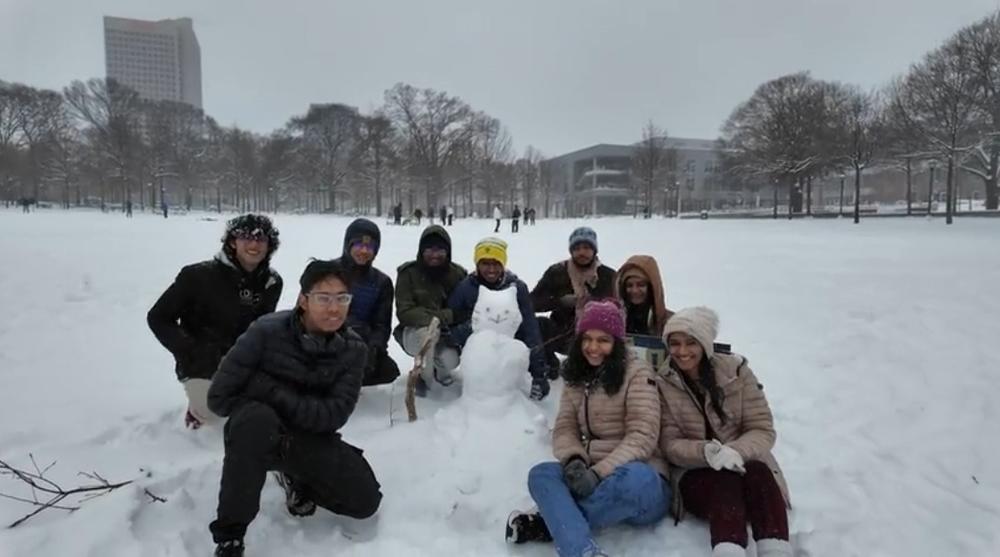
(254, 226)
(358, 229)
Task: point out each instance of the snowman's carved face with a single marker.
(496, 310)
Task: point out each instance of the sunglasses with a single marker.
(326, 299)
(255, 235)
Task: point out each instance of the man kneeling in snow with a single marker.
(490, 256)
(287, 386)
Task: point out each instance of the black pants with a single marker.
(497, 228)
(330, 472)
(555, 339)
(513, 225)
(384, 371)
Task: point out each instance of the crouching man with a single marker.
(290, 382)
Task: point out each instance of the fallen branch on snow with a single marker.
(47, 494)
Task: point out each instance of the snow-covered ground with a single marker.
(877, 345)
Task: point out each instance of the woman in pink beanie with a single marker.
(608, 468)
(717, 433)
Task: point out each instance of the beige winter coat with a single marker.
(749, 428)
(609, 431)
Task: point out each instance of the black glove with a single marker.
(539, 388)
(582, 480)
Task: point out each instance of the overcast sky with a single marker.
(561, 75)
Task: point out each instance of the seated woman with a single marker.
(717, 434)
(641, 290)
(608, 469)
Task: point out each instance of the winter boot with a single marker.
(420, 388)
(527, 527)
(728, 549)
(295, 501)
(774, 548)
(231, 548)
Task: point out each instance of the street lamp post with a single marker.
(930, 188)
(842, 178)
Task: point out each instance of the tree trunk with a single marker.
(857, 195)
(809, 196)
(776, 182)
(992, 196)
(909, 187)
(950, 196)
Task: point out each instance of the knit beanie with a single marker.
(699, 322)
(491, 248)
(604, 315)
(584, 234)
(361, 230)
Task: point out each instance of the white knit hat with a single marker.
(699, 322)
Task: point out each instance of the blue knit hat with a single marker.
(584, 234)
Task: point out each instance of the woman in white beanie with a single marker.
(717, 433)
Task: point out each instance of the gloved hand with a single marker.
(539, 388)
(723, 457)
(582, 481)
(568, 300)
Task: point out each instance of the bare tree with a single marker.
(328, 144)
(528, 175)
(858, 131)
(436, 127)
(776, 135)
(981, 43)
(652, 162)
(111, 110)
(376, 154)
(934, 102)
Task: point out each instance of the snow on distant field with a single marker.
(876, 344)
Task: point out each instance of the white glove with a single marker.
(721, 457)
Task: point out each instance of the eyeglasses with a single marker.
(436, 250)
(326, 299)
(369, 246)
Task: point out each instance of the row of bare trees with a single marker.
(945, 110)
(98, 143)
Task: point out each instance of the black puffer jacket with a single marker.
(208, 306)
(312, 382)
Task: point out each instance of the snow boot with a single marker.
(728, 549)
(774, 548)
(420, 388)
(295, 501)
(230, 548)
(527, 527)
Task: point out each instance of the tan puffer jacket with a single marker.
(609, 431)
(645, 267)
(749, 428)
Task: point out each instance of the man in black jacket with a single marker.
(565, 288)
(210, 304)
(290, 382)
(371, 308)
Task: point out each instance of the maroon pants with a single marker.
(727, 500)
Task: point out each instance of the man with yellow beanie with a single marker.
(490, 256)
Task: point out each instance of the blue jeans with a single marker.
(634, 494)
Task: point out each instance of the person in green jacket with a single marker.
(422, 290)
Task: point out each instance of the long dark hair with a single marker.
(706, 378)
(577, 371)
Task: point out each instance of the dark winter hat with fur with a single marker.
(250, 225)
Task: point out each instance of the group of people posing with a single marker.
(631, 443)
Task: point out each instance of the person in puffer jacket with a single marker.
(608, 469)
(288, 385)
(717, 433)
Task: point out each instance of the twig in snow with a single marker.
(55, 494)
(155, 498)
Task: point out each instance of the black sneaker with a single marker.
(527, 527)
(231, 548)
(295, 501)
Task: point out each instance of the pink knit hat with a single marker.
(604, 315)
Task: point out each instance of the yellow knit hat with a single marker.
(491, 248)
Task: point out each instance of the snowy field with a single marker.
(877, 345)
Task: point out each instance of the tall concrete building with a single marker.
(159, 59)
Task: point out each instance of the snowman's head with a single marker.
(496, 310)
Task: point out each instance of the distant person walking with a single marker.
(498, 216)
(515, 219)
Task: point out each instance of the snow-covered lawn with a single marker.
(877, 345)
